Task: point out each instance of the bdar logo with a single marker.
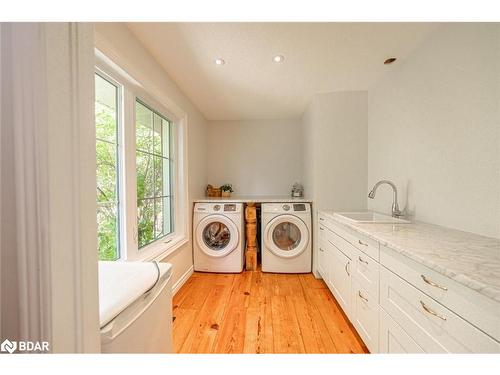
(8, 346)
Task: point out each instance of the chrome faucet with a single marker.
(395, 207)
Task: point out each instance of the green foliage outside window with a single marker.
(106, 169)
(152, 175)
(153, 166)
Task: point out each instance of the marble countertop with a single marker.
(467, 258)
(254, 198)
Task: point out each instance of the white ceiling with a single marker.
(319, 57)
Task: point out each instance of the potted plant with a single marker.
(227, 189)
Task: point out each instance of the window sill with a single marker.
(159, 251)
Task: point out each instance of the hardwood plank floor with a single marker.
(255, 312)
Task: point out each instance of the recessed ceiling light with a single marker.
(279, 59)
(219, 61)
(389, 60)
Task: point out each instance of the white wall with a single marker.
(434, 130)
(118, 43)
(334, 158)
(334, 129)
(261, 157)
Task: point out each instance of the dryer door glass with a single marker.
(216, 236)
(286, 236)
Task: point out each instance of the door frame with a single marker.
(48, 115)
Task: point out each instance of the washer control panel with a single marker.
(230, 208)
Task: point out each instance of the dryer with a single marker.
(218, 231)
(286, 237)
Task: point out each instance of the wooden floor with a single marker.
(255, 312)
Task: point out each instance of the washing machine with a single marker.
(286, 237)
(218, 231)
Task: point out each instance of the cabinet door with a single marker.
(340, 279)
(393, 339)
(365, 315)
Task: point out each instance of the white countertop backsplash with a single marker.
(467, 258)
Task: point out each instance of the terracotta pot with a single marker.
(226, 194)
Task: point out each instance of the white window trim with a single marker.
(147, 93)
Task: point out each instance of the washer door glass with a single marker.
(286, 236)
(216, 236)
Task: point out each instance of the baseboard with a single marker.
(182, 280)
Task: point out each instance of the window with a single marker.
(142, 206)
(153, 174)
(106, 122)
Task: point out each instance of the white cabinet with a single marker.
(398, 305)
(365, 315)
(431, 325)
(322, 264)
(340, 278)
(366, 271)
(475, 308)
(393, 338)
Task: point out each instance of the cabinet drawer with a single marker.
(328, 236)
(477, 309)
(366, 272)
(322, 231)
(433, 327)
(322, 263)
(365, 315)
(361, 242)
(393, 338)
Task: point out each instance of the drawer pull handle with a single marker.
(320, 249)
(362, 243)
(346, 268)
(362, 297)
(321, 228)
(362, 260)
(424, 306)
(433, 283)
(321, 219)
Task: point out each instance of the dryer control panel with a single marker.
(298, 207)
(230, 208)
(286, 208)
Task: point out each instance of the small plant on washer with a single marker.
(227, 188)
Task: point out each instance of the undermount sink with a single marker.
(369, 217)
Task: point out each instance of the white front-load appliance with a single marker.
(218, 231)
(286, 237)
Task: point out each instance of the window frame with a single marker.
(120, 161)
(172, 169)
(151, 96)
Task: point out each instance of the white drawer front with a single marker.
(365, 315)
(327, 235)
(322, 232)
(433, 327)
(477, 309)
(322, 262)
(363, 243)
(366, 272)
(393, 338)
